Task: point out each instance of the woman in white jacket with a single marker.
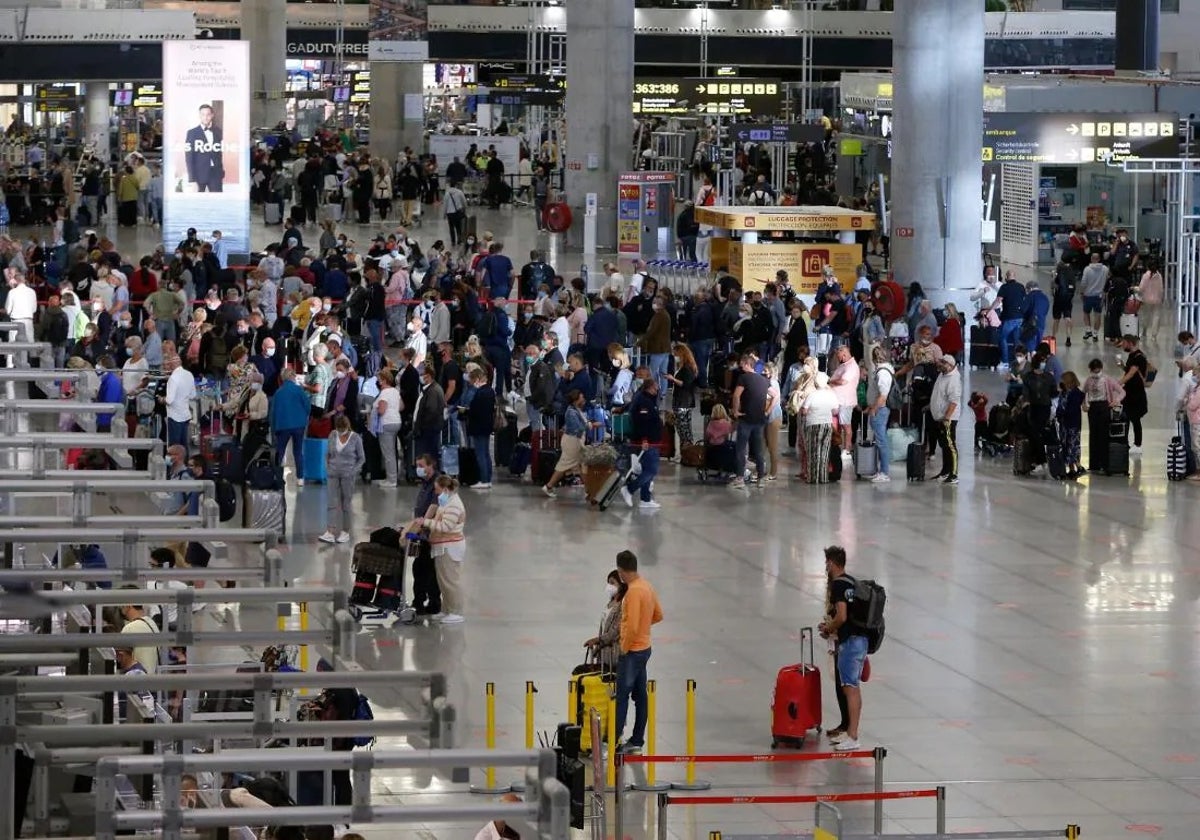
(984, 297)
(445, 522)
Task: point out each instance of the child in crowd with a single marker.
(1070, 423)
(979, 403)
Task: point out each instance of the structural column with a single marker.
(1137, 35)
(599, 116)
(936, 185)
(96, 112)
(397, 108)
(264, 26)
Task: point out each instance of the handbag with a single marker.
(499, 420)
(319, 427)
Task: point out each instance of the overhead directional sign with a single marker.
(745, 97)
(777, 132)
(526, 89)
(1078, 137)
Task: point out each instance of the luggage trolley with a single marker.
(378, 589)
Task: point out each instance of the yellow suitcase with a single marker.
(591, 691)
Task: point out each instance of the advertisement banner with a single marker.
(399, 31)
(629, 234)
(755, 265)
(206, 128)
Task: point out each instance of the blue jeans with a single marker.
(658, 369)
(702, 350)
(1010, 331)
(296, 436)
(375, 330)
(483, 455)
(1036, 338)
(165, 329)
(631, 681)
(850, 657)
(750, 437)
(641, 481)
(177, 433)
(879, 421)
(534, 414)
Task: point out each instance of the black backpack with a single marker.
(58, 329)
(486, 327)
(865, 612)
(226, 499)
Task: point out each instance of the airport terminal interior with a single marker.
(1039, 671)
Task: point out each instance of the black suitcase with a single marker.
(1118, 457)
(468, 466)
(373, 468)
(984, 356)
(506, 439)
(915, 461)
(298, 215)
(1022, 456)
(546, 463)
(1054, 461)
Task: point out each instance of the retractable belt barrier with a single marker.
(877, 755)
(665, 800)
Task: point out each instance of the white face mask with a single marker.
(611, 590)
(341, 374)
(256, 386)
(268, 352)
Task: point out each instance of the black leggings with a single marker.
(1135, 423)
(843, 708)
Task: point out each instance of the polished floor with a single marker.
(1041, 659)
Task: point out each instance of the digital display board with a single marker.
(122, 98)
(777, 132)
(1078, 137)
(714, 97)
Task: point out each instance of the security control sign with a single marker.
(738, 97)
(1078, 138)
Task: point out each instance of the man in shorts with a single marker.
(851, 651)
(1091, 288)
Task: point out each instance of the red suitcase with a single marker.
(796, 704)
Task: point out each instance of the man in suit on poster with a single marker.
(203, 154)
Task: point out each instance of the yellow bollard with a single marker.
(571, 712)
(651, 785)
(610, 774)
(490, 787)
(530, 690)
(690, 783)
(304, 648)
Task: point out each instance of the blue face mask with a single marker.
(443, 499)
(422, 472)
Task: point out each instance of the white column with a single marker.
(264, 25)
(96, 111)
(937, 140)
(393, 125)
(599, 116)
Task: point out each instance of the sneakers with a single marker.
(627, 496)
(627, 748)
(737, 484)
(549, 493)
(481, 485)
(650, 505)
(1135, 450)
(299, 482)
(880, 478)
(950, 479)
(846, 744)
(451, 618)
(1068, 341)
(328, 537)
(344, 537)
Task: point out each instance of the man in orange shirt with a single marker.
(639, 610)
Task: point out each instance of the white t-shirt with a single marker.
(170, 611)
(820, 406)
(133, 374)
(391, 416)
(562, 329)
(181, 390)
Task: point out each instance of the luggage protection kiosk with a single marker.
(646, 214)
(756, 242)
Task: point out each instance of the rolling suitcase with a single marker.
(373, 468)
(315, 450)
(985, 348)
(266, 509)
(1022, 456)
(272, 215)
(613, 484)
(592, 691)
(866, 456)
(1129, 324)
(505, 445)
(914, 459)
(1118, 448)
(224, 456)
(1055, 463)
(796, 703)
(468, 466)
(378, 578)
(521, 458)
(1177, 462)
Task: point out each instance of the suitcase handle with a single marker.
(812, 654)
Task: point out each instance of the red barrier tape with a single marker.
(869, 796)
(743, 759)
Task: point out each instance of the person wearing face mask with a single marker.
(426, 595)
(656, 341)
(111, 390)
(135, 368)
(921, 370)
(448, 546)
(605, 648)
(288, 417)
(639, 312)
(268, 366)
(342, 399)
(428, 415)
(417, 341)
(601, 332)
(254, 410)
(540, 386)
(344, 459)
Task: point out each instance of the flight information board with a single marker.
(1078, 137)
(744, 97)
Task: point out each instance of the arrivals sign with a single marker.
(206, 123)
(1078, 137)
(745, 97)
(398, 31)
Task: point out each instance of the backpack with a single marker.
(91, 558)
(486, 327)
(865, 612)
(70, 231)
(226, 499)
(895, 397)
(540, 273)
(710, 197)
(144, 403)
(363, 712)
(760, 198)
(58, 329)
(542, 386)
(218, 354)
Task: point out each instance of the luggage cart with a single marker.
(378, 589)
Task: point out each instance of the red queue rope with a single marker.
(805, 799)
(746, 759)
